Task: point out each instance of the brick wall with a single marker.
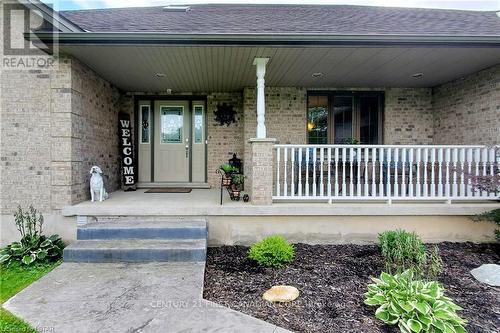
(25, 142)
(286, 116)
(408, 116)
(55, 124)
(223, 140)
(467, 110)
(96, 104)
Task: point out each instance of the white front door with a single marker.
(172, 141)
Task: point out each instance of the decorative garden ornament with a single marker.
(97, 184)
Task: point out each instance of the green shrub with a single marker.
(34, 247)
(273, 251)
(413, 305)
(434, 264)
(403, 250)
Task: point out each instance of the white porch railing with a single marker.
(381, 172)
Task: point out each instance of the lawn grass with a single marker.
(13, 279)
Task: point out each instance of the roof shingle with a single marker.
(290, 19)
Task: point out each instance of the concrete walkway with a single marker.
(153, 297)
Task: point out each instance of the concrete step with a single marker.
(137, 229)
(137, 250)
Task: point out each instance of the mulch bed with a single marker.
(332, 280)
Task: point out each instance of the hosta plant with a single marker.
(273, 251)
(413, 305)
(34, 247)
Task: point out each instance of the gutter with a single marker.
(127, 38)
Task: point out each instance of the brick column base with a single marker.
(261, 173)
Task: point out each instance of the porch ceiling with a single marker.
(229, 68)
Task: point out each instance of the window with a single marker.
(339, 117)
(172, 124)
(145, 123)
(342, 119)
(317, 120)
(369, 119)
(198, 124)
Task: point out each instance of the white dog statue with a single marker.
(97, 184)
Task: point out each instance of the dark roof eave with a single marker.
(138, 38)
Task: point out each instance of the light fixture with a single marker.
(317, 74)
(417, 75)
(310, 126)
(159, 74)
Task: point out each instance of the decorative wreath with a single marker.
(225, 114)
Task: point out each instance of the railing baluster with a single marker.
(285, 174)
(492, 158)
(351, 180)
(300, 173)
(484, 159)
(344, 156)
(374, 160)
(329, 184)
(410, 171)
(337, 172)
(292, 176)
(314, 162)
(389, 162)
(366, 150)
(403, 172)
(433, 172)
(470, 154)
(278, 153)
(396, 172)
(358, 173)
(440, 171)
(381, 172)
(447, 159)
(307, 172)
(424, 169)
(462, 170)
(322, 161)
(418, 184)
(476, 170)
(454, 166)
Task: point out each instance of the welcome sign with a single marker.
(127, 152)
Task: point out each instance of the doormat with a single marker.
(169, 190)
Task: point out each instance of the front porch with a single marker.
(405, 110)
(310, 222)
(206, 202)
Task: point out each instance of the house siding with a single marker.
(467, 110)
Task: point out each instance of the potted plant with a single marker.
(237, 184)
(227, 170)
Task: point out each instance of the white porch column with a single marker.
(261, 99)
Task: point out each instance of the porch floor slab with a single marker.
(153, 297)
(205, 202)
